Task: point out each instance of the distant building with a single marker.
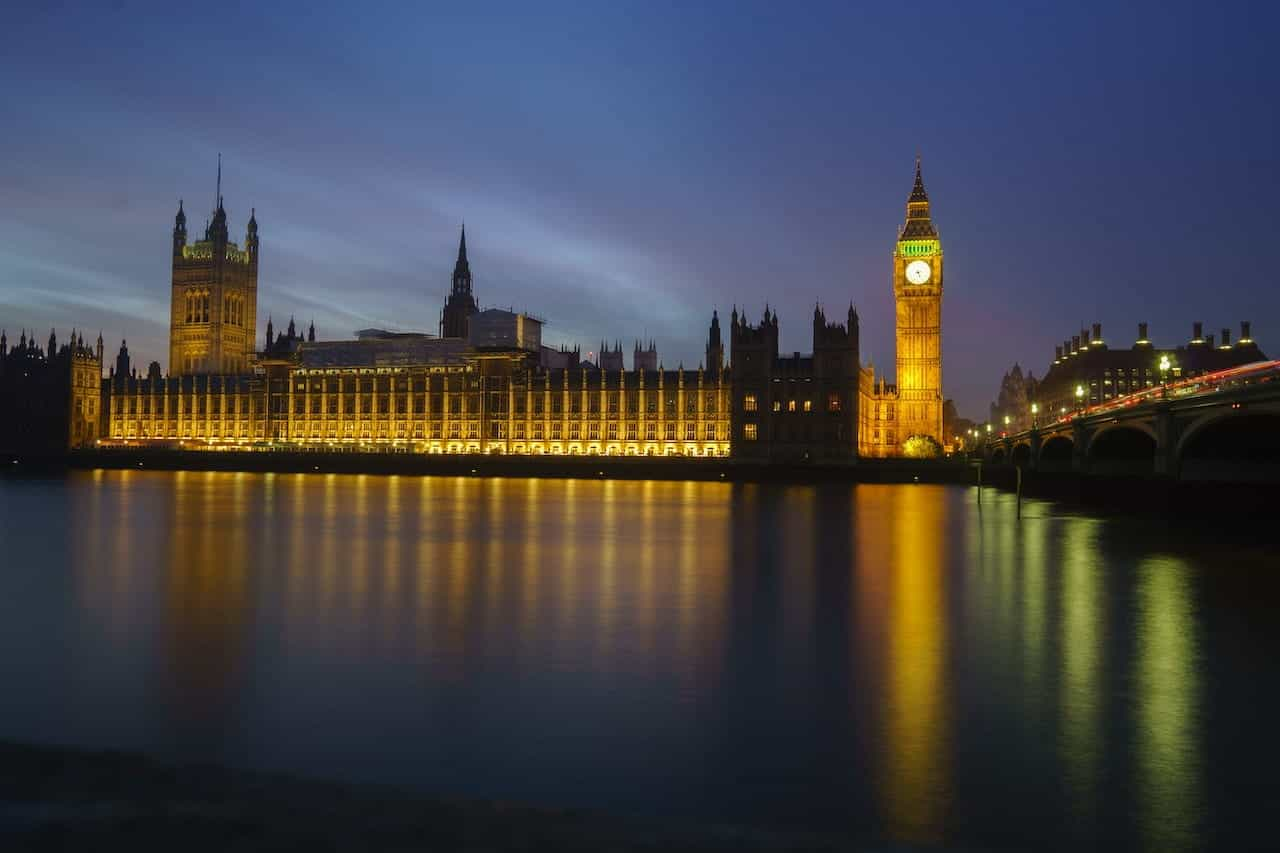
(647, 358)
(494, 328)
(794, 407)
(49, 397)
(611, 356)
(1102, 372)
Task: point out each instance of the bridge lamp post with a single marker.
(1035, 410)
(1080, 397)
(1164, 375)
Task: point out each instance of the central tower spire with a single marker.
(460, 305)
(462, 269)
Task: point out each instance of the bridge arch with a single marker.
(1021, 454)
(998, 455)
(1057, 450)
(1235, 444)
(1126, 447)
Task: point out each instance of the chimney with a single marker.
(1097, 333)
(1197, 331)
(1226, 338)
(1075, 343)
(1208, 339)
(1057, 354)
(1245, 337)
(1084, 337)
(1142, 333)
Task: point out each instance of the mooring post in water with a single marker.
(1019, 470)
(979, 483)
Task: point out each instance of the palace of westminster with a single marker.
(485, 383)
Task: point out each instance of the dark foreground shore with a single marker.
(1110, 493)
(65, 799)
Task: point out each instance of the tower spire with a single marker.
(919, 224)
(217, 196)
(462, 269)
(917, 190)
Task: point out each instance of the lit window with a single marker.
(749, 403)
(791, 405)
(777, 405)
(808, 405)
(749, 432)
(833, 403)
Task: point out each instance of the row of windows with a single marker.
(751, 404)
(197, 308)
(613, 404)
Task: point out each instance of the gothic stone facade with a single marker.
(49, 397)
(445, 395)
(214, 299)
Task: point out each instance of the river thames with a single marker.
(888, 663)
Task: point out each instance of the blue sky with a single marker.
(624, 168)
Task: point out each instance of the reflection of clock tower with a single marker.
(917, 291)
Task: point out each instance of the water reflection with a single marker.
(1168, 722)
(889, 661)
(916, 785)
(1081, 694)
(206, 613)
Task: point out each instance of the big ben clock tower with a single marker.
(917, 292)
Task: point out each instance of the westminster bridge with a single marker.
(1223, 426)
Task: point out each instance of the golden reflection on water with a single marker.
(631, 582)
(207, 606)
(902, 591)
(1168, 760)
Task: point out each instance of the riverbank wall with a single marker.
(1106, 493)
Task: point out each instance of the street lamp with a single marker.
(1080, 397)
(1035, 410)
(1164, 374)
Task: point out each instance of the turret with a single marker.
(4, 344)
(715, 349)
(218, 234)
(179, 231)
(100, 350)
(122, 360)
(53, 344)
(311, 332)
(270, 339)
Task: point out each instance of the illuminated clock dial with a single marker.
(918, 272)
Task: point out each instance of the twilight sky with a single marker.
(624, 168)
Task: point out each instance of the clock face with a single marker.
(918, 272)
